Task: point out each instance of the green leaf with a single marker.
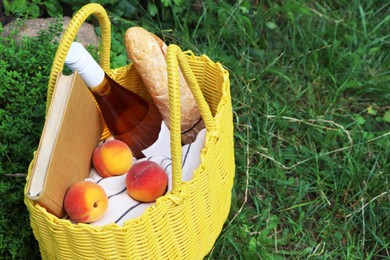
(178, 2)
(33, 10)
(123, 8)
(152, 9)
(251, 251)
(296, 8)
(15, 6)
(166, 3)
(371, 110)
(271, 25)
(359, 120)
(386, 116)
(53, 8)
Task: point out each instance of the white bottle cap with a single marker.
(79, 59)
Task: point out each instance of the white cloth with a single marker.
(121, 206)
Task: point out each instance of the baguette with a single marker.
(147, 52)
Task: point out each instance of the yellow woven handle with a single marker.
(69, 36)
(175, 58)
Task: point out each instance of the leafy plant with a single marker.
(126, 9)
(24, 69)
(32, 8)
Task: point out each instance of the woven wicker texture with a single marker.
(183, 224)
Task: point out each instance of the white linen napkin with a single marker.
(121, 206)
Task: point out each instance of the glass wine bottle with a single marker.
(128, 116)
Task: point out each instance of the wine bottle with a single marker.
(128, 116)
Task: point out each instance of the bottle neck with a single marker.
(79, 59)
(102, 89)
(93, 76)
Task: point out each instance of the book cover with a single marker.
(71, 132)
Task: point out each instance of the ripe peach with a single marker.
(146, 181)
(85, 202)
(112, 158)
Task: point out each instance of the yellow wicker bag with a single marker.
(183, 224)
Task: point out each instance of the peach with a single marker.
(146, 181)
(112, 158)
(85, 202)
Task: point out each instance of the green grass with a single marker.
(311, 89)
(310, 83)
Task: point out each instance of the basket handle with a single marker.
(175, 58)
(69, 36)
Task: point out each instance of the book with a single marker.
(72, 130)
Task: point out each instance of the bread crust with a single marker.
(147, 52)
